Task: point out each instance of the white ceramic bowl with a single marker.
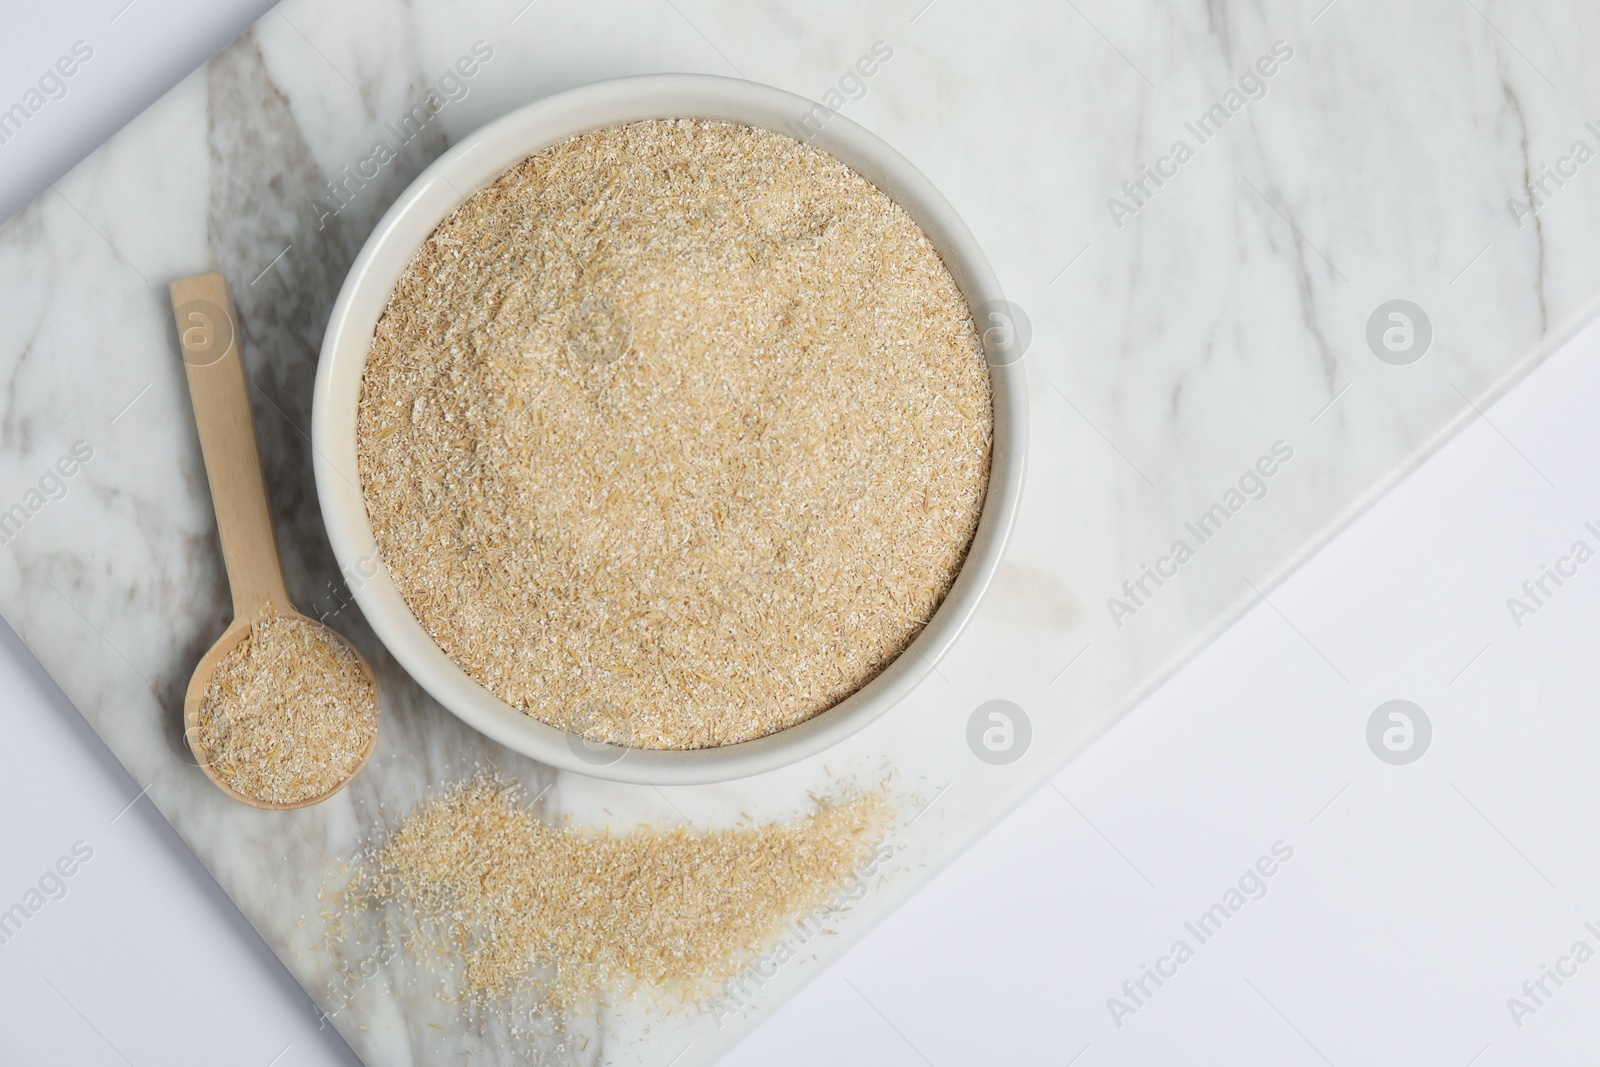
(475, 163)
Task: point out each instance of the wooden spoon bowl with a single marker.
(194, 697)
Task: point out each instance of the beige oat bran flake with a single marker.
(680, 420)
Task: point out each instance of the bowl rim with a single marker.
(475, 162)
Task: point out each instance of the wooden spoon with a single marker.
(209, 335)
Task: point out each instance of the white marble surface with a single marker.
(1172, 353)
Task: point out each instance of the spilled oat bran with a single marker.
(478, 878)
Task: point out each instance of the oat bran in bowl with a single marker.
(641, 424)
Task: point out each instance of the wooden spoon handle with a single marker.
(208, 330)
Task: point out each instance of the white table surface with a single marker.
(1419, 898)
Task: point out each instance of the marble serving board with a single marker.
(1203, 209)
